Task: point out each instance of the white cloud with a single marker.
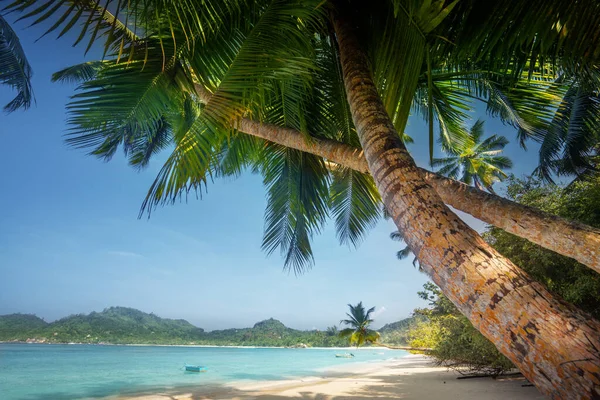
(128, 254)
(378, 311)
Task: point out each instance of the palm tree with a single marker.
(332, 330)
(272, 68)
(358, 321)
(476, 162)
(449, 91)
(15, 70)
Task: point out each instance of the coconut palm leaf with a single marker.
(110, 20)
(297, 185)
(125, 103)
(15, 70)
(519, 37)
(79, 73)
(405, 252)
(571, 142)
(355, 205)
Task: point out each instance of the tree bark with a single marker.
(555, 345)
(578, 241)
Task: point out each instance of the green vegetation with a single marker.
(15, 70)
(398, 333)
(579, 201)
(14, 325)
(454, 340)
(121, 325)
(359, 321)
(475, 161)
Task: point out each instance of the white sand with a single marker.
(412, 377)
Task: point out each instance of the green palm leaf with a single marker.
(355, 205)
(297, 185)
(15, 70)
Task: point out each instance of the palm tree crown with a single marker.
(358, 332)
(194, 69)
(477, 162)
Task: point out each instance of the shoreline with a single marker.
(207, 346)
(408, 377)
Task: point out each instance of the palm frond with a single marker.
(573, 136)
(125, 103)
(355, 205)
(404, 253)
(346, 333)
(15, 70)
(187, 169)
(95, 19)
(519, 37)
(297, 185)
(79, 73)
(272, 53)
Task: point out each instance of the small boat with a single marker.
(195, 368)
(345, 355)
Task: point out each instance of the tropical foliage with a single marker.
(453, 340)
(180, 75)
(566, 277)
(15, 70)
(358, 322)
(477, 162)
(398, 333)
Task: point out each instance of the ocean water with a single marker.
(49, 372)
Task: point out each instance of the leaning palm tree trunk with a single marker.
(555, 345)
(578, 241)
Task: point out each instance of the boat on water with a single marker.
(345, 355)
(195, 368)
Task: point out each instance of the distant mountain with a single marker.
(113, 325)
(271, 325)
(121, 325)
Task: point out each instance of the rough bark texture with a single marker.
(578, 241)
(565, 237)
(554, 345)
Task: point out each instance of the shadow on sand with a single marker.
(413, 379)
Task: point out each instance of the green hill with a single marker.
(121, 325)
(18, 326)
(396, 333)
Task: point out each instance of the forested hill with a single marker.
(121, 325)
(397, 333)
(113, 325)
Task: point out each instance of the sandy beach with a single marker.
(412, 377)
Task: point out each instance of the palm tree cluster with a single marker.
(315, 95)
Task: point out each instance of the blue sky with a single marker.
(71, 242)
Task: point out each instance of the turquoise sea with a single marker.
(38, 371)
